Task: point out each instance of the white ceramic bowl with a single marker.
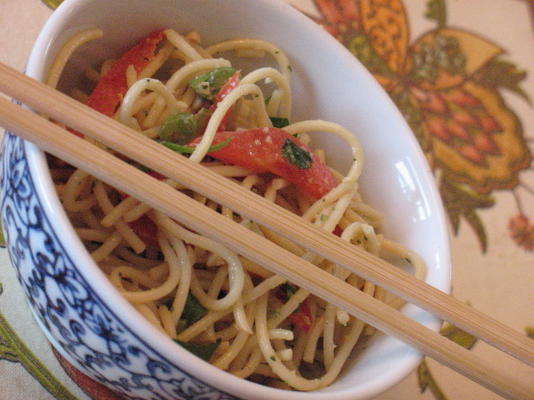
(90, 324)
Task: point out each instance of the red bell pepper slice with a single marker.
(108, 94)
(225, 90)
(230, 85)
(302, 318)
(338, 231)
(144, 227)
(260, 150)
(111, 88)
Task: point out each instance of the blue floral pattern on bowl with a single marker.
(74, 317)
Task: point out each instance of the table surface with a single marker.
(486, 180)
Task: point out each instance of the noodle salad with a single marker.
(217, 304)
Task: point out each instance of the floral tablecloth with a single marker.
(462, 73)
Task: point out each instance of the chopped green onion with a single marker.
(207, 85)
(180, 128)
(179, 148)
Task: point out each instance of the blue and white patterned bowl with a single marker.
(83, 316)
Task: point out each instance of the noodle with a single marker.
(188, 286)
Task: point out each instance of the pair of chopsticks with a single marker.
(108, 168)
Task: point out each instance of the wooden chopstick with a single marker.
(158, 195)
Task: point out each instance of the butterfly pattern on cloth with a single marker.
(447, 83)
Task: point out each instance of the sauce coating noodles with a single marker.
(216, 303)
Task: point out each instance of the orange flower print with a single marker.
(447, 84)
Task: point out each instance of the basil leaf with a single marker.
(179, 148)
(180, 128)
(204, 351)
(295, 155)
(279, 122)
(207, 85)
(193, 310)
(203, 117)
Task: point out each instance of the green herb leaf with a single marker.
(204, 351)
(219, 146)
(207, 85)
(179, 148)
(193, 310)
(530, 331)
(203, 117)
(179, 128)
(295, 155)
(279, 122)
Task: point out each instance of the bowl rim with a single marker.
(144, 331)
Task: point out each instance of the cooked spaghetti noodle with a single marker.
(235, 313)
